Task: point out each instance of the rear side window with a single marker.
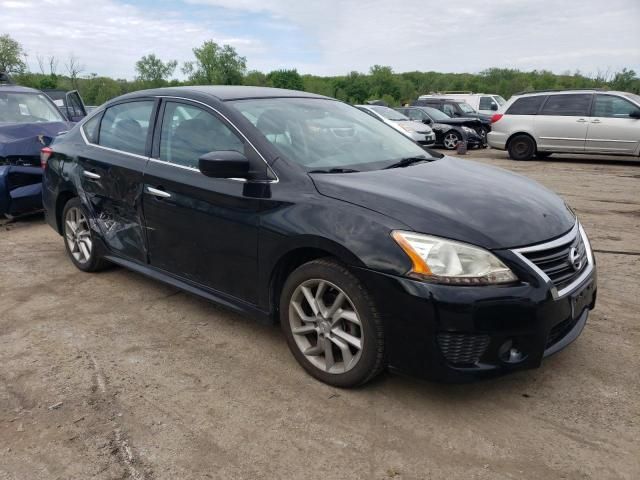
(124, 127)
(611, 106)
(90, 129)
(572, 105)
(526, 105)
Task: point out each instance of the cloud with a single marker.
(335, 36)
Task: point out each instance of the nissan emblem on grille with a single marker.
(574, 259)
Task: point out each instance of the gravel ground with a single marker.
(113, 376)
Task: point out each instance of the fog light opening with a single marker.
(510, 353)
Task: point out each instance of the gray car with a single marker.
(417, 131)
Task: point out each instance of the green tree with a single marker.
(11, 55)
(216, 65)
(153, 71)
(255, 78)
(290, 79)
(383, 82)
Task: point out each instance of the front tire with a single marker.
(79, 238)
(451, 139)
(522, 147)
(331, 324)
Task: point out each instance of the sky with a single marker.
(333, 37)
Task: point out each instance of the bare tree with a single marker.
(51, 62)
(74, 68)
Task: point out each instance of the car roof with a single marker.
(17, 88)
(560, 92)
(225, 92)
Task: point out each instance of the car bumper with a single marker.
(426, 140)
(497, 140)
(456, 334)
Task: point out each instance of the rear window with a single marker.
(526, 105)
(572, 105)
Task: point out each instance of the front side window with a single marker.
(125, 126)
(486, 103)
(526, 105)
(415, 114)
(612, 106)
(466, 108)
(322, 134)
(449, 110)
(571, 105)
(436, 114)
(28, 108)
(189, 132)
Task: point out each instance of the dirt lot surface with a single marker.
(113, 375)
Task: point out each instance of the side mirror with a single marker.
(635, 113)
(224, 164)
(427, 120)
(494, 107)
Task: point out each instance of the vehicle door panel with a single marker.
(611, 130)
(561, 125)
(111, 182)
(202, 229)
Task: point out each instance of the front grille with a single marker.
(555, 262)
(462, 348)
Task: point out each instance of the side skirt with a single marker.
(220, 298)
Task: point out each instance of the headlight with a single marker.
(468, 130)
(446, 261)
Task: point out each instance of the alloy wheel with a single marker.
(326, 326)
(78, 235)
(450, 141)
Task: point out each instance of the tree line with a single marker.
(215, 64)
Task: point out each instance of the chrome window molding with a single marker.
(114, 150)
(563, 240)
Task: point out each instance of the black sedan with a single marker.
(448, 135)
(370, 251)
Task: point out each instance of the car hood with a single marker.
(28, 138)
(457, 199)
(416, 126)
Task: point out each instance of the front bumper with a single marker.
(456, 334)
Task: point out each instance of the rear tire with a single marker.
(331, 324)
(522, 147)
(79, 239)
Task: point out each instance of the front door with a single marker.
(112, 164)
(561, 125)
(201, 229)
(611, 129)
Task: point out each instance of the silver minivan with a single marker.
(572, 121)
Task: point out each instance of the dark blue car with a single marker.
(29, 120)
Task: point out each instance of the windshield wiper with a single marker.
(405, 162)
(336, 170)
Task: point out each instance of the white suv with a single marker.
(572, 121)
(486, 103)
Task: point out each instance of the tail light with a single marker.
(495, 117)
(45, 154)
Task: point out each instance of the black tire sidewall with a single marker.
(530, 152)
(95, 263)
(371, 359)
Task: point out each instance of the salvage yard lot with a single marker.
(114, 375)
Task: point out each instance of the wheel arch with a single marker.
(513, 135)
(61, 200)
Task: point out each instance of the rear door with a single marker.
(611, 129)
(201, 229)
(561, 125)
(111, 166)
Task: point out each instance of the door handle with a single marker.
(596, 121)
(581, 120)
(157, 192)
(91, 175)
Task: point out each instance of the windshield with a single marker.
(324, 134)
(389, 113)
(20, 107)
(501, 101)
(466, 108)
(436, 114)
